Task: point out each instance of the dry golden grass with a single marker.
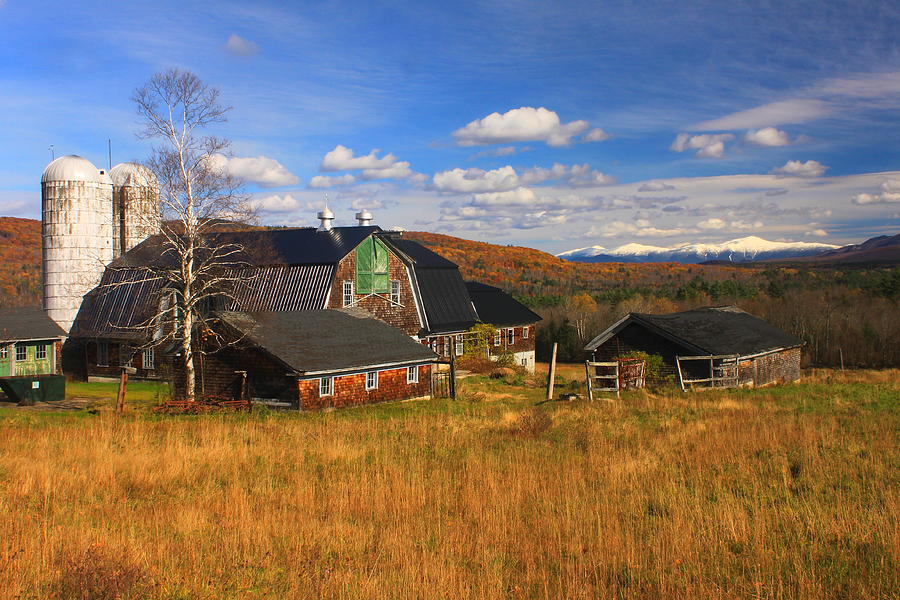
(781, 493)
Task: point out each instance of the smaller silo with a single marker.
(136, 211)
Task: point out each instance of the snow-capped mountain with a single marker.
(737, 250)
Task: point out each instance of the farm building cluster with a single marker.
(313, 317)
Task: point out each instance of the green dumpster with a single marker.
(28, 389)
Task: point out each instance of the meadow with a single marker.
(782, 493)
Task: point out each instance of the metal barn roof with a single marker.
(314, 341)
(714, 330)
(496, 307)
(27, 323)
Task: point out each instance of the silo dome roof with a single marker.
(71, 168)
(132, 174)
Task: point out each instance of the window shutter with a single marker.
(365, 261)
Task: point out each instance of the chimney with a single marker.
(364, 217)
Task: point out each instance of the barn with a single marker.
(514, 322)
(718, 346)
(299, 272)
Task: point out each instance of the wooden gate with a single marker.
(632, 373)
(440, 384)
(601, 377)
(718, 371)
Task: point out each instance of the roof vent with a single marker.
(364, 217)
(326, 217)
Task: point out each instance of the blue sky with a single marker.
(552, 125)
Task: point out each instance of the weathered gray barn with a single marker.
(724, 336)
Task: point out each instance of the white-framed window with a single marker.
(460, 346)
(524, 362)
(498, 337)
(326, 386)
(40, 352)
(412, 374)
(149, 359)
(525, 333)
(348, 293)
(124, 355)
(395, 292)
(21, 352)
(102, 354)
(372, 380)
(510, 336)
(4, 352)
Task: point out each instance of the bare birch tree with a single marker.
(196, 195)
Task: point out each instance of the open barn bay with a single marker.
(788, 492)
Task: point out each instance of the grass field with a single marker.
(783, 492)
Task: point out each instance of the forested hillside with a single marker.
(20, 262)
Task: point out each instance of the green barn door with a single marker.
(4, 361)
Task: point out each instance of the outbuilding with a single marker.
(30, 342)
(314, 359)
(718, 346)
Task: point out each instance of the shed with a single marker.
(29, 342)
(315, 359)
(762, 353)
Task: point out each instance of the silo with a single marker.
(76, 230)
(136, 213)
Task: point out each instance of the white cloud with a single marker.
(262, 170)
(775, 113)
(867, 85)
(238, 45)
(507, 178)
(276, 204)
(655, 186)
(342, 159)
(889, 194)
(767, 136)
(596, 135)
(518, 196)
(795, 168)
(817, 233)
(371, 165)
(640, 228)
(712, 223)
(519, 125)
(324, 181)
(498, 152)
(707, 145)
(476, 180)
(398, 170)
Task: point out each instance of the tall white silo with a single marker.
(136, 213)
(76, 231)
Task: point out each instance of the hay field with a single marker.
(788, 492)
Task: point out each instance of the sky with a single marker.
(553, 125)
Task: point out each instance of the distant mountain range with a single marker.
(881, 249)
(751, 248)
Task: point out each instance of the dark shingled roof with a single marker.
(445, 299)
(496, 307)
(313, 341)
(27, 323)
(714, 330)
(302, 246)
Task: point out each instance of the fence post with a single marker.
(453, 374)
(587, 378)
(552, 373)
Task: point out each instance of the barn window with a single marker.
(459, 345)
(326, 386)
(395, 292)
(348, 293)
(4, 353)
(40, 352)
(498, 337)
(412, 374)
(510, 336)
(372, 380)
(372, 267)
(525, 333)
(21, 352)
(102, 354)
(149, 359)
